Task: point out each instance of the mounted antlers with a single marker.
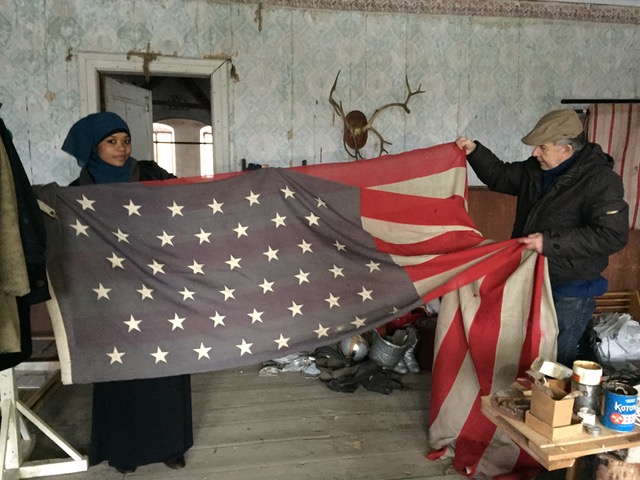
(356, 126)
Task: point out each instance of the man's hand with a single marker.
(535, 241)
(466, 144)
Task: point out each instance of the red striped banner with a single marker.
(616, 128)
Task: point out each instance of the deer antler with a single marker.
(356, 126)
(383, 142)
(396, 104)
(337, 107)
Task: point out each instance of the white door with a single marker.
(134, 105)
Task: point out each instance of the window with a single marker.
(164, 149)
(206, 151)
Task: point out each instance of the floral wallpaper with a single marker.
(488, 69)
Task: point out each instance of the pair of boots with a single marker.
(408, 362)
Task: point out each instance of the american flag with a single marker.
(196, 275)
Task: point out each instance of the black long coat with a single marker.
(136, 422)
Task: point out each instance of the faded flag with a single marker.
(196, 275)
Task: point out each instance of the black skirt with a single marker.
(136, 422)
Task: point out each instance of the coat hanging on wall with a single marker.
(22, 261)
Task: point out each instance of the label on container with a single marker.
(619, 411)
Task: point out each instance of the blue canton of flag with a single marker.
(154, 281)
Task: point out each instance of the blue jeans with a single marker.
(574, 314)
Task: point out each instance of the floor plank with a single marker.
(282, 427)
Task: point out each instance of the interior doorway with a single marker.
(187, 95)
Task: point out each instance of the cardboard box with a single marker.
(553, 410)
(554, 433)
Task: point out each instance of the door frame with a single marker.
(91, 65)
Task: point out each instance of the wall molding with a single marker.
(539, 9)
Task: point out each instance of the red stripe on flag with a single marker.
(455, 344)
(472, 441)
(402, 208)
(448, 242)
(383, 170)
(504, 253)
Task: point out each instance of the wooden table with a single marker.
(563, 453)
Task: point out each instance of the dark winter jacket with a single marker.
(141, 171)
(582, 215)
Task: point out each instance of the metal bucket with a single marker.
(385, 353)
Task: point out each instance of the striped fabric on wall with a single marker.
(616, 128)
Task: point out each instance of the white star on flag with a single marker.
(197, 268)
(176, 209)
(295, 309)
(256, 316)
(241, 231)
(227, 292)
(288, 193)
(203, 236)
(359, 322)
(80, 228)
(160, 356)
(337, 271)
(145, 292)
(322, 331)
(156, 267)
(202, 351)
(282, 342)
(332, 301)
(176, 322)
(365, 294)
(313, 219)
(121, 236)
(279, 220)
(216, 207)
(271, 254)
(187, 294)
(132, 208)
(116, 262)
(217, 319)
(303, 277)
(116, 356)
(373, 266)
(102, 292)
(253, 198)
(86, 203)
(166, 238)
(245, 347)
(266, 286)
(133, 324)
(305, 246)
(233, 262)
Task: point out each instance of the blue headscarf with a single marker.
(83, 138)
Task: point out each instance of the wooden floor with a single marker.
(282, 427)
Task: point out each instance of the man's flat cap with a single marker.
(554, 126)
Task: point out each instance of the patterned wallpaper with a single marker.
(543, 9)
(490, 75)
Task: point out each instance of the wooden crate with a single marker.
(619, 302)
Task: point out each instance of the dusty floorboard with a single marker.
(283, 427)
